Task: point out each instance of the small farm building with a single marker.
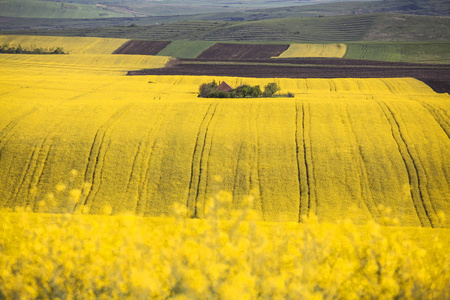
(224, 87)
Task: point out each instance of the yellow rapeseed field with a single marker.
(314, 50)
(354, 170)
(340, 147)
(72, 45)
(83, 64)
(230, 254)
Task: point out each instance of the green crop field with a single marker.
(185, 49)
(415, 52)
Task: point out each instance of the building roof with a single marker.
(224, 87)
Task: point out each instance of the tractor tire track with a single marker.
(256, 189)
(206, 167)
(237, 173)
(96, 158)
(309, 160)
(366, 193)
(418, 191)
(438, 116)
(144, 192)
(392, 88)
(141, 161)
(8, 129)
(35, 165)
(197, 159)
(302, 164)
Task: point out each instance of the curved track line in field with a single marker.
(254, 145)
(236, 172)
(141, 162)
(422, 174)
(366, 193)
(36, 162)
(197, 159)
(438, 116)
(93, 90)
(392, 88)
(9, 128)
(302, 163)
(309, 159)
(418, 196)
(206, 167)
(332, 85)
(97, 155)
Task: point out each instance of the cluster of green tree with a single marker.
(20, 50)
(211, 90)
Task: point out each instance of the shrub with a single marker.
(271, 89)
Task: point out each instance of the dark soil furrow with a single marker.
(425, 73)
(242, 51)
(142, 47)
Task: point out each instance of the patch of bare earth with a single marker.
(437, 77)
(226, 51)
(142, 47)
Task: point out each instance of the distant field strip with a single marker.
(419, 52)
(72, 45)
(338, 149)
(142, 47)
(314, 50)
(79, 63)
(224, 51)
(185, 49)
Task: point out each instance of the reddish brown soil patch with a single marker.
(142, 47)
(437, 77)
(224, 51)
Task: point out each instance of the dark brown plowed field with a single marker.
(142, 47)
(224, 51)
(438, 77)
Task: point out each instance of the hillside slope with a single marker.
(376, 27)
(50, 9)
(339, 148)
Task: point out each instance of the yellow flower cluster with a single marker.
(315, 50)
(230, 254)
